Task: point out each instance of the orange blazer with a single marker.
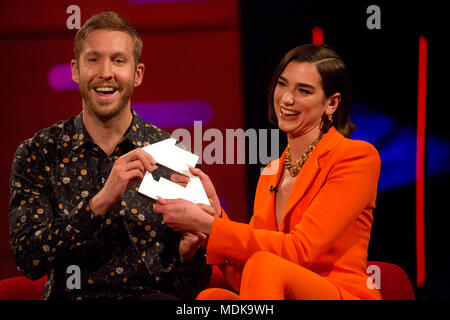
(326, 224)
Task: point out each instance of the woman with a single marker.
(310, 230)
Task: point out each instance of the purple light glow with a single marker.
(177, 114)
(163, 114)
(60, 78)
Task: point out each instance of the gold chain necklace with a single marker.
(294, 167)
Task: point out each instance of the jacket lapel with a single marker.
(310, 170)
(264, 211)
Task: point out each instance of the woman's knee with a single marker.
(262, 256)
(217, 294)
(259, 278)
(258, 262)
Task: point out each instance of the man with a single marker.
(74, 199)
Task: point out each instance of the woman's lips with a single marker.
(288, 113)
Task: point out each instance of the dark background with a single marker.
(223, 53)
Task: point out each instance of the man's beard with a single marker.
(100, 113)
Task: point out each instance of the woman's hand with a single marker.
(209, 189)
(185, 216)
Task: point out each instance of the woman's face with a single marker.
(299, 99)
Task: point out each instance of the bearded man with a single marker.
(74, 199)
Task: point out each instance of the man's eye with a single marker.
(92, 59)
(119, 60)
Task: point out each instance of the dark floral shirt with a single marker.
(128, 253)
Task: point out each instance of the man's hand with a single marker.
(127, 170)
(189, 244)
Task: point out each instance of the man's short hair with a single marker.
(112, 21)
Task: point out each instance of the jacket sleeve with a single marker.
(191, 277)
(230, 269)
(36, 236)
(350, 186)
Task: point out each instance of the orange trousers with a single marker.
(270, 277)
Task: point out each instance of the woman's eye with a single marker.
(304, 91)
(281, 83)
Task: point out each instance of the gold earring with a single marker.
(330, 118)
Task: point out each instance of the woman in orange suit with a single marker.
(310, 230)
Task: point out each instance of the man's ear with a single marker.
(139, 74)
(333, 103)
(74, 68)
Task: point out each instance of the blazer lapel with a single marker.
(264, 211)
(304, 180)
(310, 170)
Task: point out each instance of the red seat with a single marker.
(394, 283)
(21, 288)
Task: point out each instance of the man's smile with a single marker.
(105, 93)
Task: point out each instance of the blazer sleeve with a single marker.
(350, 186)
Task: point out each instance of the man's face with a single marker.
(106, 73)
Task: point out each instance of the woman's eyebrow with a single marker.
(305, 85)
(298, 84)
